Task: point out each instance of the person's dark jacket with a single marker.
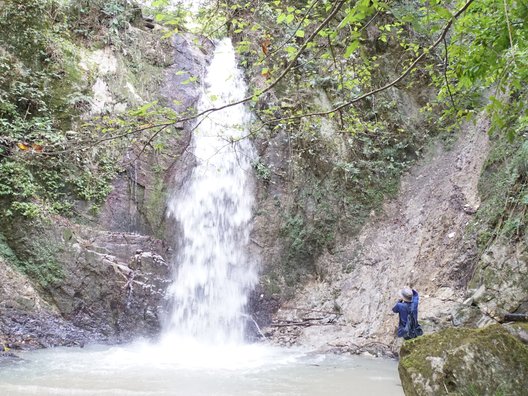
(402, 308)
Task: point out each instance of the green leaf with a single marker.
(443, 12)
(143, 110)
(292, 51)
(189, 80)
(299, 33)
(351, 48)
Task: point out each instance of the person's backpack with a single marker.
(412, 328)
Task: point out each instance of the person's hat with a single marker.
(406, 294)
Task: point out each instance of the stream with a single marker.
(190, 369)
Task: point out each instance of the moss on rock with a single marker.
(488, 361)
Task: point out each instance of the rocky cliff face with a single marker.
(138, 200)
(499, 285)
(108, 287)
(417, 239)
(106, 281)
(103, 278)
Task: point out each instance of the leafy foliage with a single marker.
(504, 189)
(40, 265)
(488, 65)
(99, 21)
(42, 168)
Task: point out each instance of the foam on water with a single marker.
(191, 354)
(146, 369)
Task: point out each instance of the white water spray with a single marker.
(213, 270)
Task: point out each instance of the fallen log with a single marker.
(311, 310)
(516, 317)
(290, 324)
(304, 322)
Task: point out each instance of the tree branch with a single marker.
(336, 8)
(392, 83)
(446, 66)
(81, 145)
(299, 25)
(206, 112)
(290, 65)
(508, 23)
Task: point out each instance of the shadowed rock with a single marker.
(486, 361)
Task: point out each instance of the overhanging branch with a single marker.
(290, 65)
(287, 69)
(390, 84)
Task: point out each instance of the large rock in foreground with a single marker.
(485, 361)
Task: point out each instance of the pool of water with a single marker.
(189, 369)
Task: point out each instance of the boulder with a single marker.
(462, 361)
(109, 287)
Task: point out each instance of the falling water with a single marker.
(201, 352)
(213, 270)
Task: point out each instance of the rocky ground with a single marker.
(111, 289)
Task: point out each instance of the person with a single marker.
(409, 299)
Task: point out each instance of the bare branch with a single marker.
(337, 6)
(206, 112)
(446, 66)
(78, 145)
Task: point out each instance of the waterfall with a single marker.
(213, 271)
